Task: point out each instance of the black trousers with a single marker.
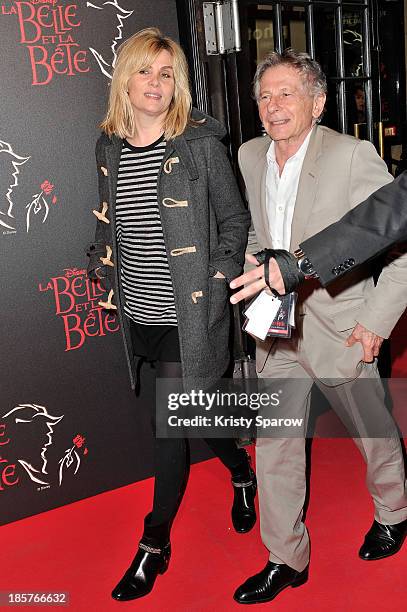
(171, 459)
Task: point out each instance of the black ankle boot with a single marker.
(244, 486)
(152, 558)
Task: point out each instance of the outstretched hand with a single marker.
(254, 280)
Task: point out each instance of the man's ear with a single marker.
(319, 103)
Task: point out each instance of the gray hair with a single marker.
(311, 72)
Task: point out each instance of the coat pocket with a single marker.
(347, 362)
(218, 301)
(345, 319)
(96, 270)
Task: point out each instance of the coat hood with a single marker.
(208, 127)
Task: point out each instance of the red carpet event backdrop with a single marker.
(69, 423)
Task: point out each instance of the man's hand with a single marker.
(370, 342)
(255, 280)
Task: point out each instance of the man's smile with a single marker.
(279, 121)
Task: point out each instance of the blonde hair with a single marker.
(136, 53)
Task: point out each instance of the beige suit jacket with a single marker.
(338, 172)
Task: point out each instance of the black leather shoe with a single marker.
(383, 541)
(268, 583)
(152, 558)
(244, 509)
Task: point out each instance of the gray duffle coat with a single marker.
(205, 225)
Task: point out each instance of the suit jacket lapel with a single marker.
(266, 239)
(307, 188)
(260, 170)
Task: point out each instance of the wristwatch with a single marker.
(304, 265)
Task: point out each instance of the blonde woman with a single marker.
(171, 232)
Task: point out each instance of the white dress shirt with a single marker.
(281, 193)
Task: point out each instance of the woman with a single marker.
(171, 232)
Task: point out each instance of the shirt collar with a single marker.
(300, 154)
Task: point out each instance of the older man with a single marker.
(299, 179)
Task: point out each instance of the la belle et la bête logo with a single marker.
(49, 30)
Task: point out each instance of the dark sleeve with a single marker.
(98, 248)
(364, 232)
(232, 216)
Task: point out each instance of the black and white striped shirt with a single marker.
(145, 275)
